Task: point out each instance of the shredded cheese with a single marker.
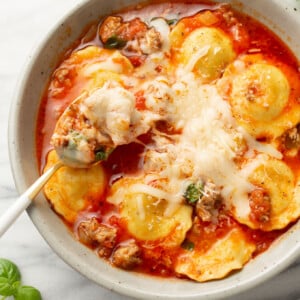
(210, 139)
(198, 55)
(151, 191)
(206, 149)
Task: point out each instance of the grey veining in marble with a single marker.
(22, 24)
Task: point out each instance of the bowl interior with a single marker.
(24, 165)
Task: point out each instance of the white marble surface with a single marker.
(22, 25)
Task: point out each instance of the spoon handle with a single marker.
(13, 212)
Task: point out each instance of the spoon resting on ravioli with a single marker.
(89, 129)
(96, 123)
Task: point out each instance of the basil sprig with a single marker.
(10, 283)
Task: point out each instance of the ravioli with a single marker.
(88, 69)
(146, 216)
(277, 180)
(206, 51)
(92, 59)
(70, 191)
(259, 94)
(109, 68)
(227, 254)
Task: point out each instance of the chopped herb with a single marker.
(103, 153)
(74, 139)
(188, 245)
(72, 145)
(100, 155)
(194, 192)
(172, 21)
(154, 18)
(168, 21)
(114, 42)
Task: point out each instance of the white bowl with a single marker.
(24, 165)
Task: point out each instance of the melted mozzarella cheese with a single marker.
(209, 138)
(206, 148)
(115, 62)
(111, 109)
(209, 142)
(159, 97)
(149, 190)
(163, 28)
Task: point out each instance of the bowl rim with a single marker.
(15, 162)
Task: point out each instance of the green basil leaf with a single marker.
(6, 288)
(114, 42)
(103, 153)
(72, 145)
(188, 245)
(9, 270)
(171, 21)
(168, 21)
(100, 155)
(154, 18)
(28, 293)
(194, 192)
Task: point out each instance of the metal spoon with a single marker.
(79, 151)
(67, 158)
(14, 211)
